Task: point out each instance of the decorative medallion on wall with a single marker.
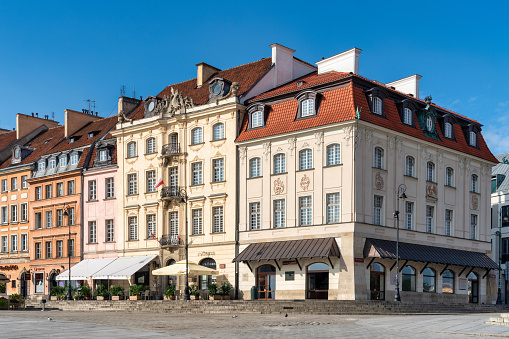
(431, 190)
(379, 181)
(475, 202)
(279, 187)
(304, 182)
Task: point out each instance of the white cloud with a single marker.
(472, 99)
(497, 138)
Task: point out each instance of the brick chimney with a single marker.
(26, 124)
(408, 85)
(343, 62)
(282, 58)
(76, 120)
(205, 71)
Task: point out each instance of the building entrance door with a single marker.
(266, 282)
(318, 281)
(377, 281)
(473, 288)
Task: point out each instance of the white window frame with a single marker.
(62, 161)
(197, 136)
(5, 186)
(14, 242)
(70, 187)
(218, 170)
(60, 189)
(407, 116)
(151, 146)
(449, 222)
(150, 181)
(305, 159)
(110, 230)
(110, 188)
(430, 219)
(23, 212)
(307, 108)
(60, 249)
(38, 193)
(174, 224)
(333, 154)
(52, 163)
(48, 218)
(280, 163)
(474, 183)
(5, 214)
(92, 232)
(14, 213)
(449, 179)
(197, 215)
(255, 167)
(305, 210)
(197, 173)
(151, 225)
(255, 215)
(24, 242)
(448, 130)
(378, 210)
(92, 190)
(410, 166)
(378, 157)
(472, 140)
(409, 208)
(14, 183)
(377, 105)
(333, 207)
(24, 183)
(41, 166)
(474, 222)
(218, 219)
(430, 171)
(218, 131)
(38, 254)
(5, 244)
(132, 228)
(131, 149)
(256, 119)
(74, 159)
(132, 183)
(174, 176)
(103, 155)
(279, 213)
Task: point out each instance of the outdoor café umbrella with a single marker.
(179, 268)
(4, 279)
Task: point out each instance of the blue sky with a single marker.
(54, 55)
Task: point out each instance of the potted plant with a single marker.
(102, 292)
(15, 300)
(225, 288)
(170, 292)
(194, 292)
(135, 290)
(56, 292)
(213, 295)
(85, 292)
(4, 303)
(117, 292)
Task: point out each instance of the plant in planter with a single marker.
(85, 292)
(102, 292)
(170, 292)
(135, 290)
(213, 295)
(117, 292)
(225, 290)
(194, 292)
(4, 304)
(2, 288)
(56, 292)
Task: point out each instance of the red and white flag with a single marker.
(159, 183)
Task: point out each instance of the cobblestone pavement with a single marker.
(30, 324)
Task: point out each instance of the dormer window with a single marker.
(407, 116)
(377, 105)
(308, 107)
(376, 98)
(471, 132)
(429, 123)
(257, 119)
(71, 140)
(63, 162)
(41, 166)
(472, 140)
(74, 159)
(52, 164)
(257, 115)
(448, 130)
(103, 156)
(308, 104)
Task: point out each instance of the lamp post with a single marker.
(499, 238)
(183, 200)
(400, 194)
(66, 213)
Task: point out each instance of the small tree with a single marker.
(102, 291)
(117, 290)
(170, 291)
(212, 289)
(225, 288)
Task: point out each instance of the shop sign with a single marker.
(359, 259)
(289, 262)
(493, 276)
(27, 276)
(206, 254)
(9, 268)
(222, 266)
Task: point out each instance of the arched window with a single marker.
(255, 165)
(408, 279)
(131, 149)
(448, 282)
(305, 159)
(428, 280)
(449, 177)
(206, 280)
(279, 163)
(473, 287)
(378, 158)
(377, 105)
(410, 166)
(197, 136)
(308, 108)
(407, 116)
(448, 130)
(377, 281)
(257, 119)
(151, 145)
(430, 171)
(475, 183)
(218, 131)
(429, 123)
(333, 154)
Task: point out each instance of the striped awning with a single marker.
(386, 249)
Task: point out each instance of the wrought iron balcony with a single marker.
(171, 240)
(170, 192)
(171, 149)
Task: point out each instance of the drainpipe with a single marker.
(237, 176)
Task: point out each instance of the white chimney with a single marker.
(282, 58)
(408, 85)
(343, 62)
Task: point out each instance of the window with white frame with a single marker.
(218, 165)
(409, 215)
(72, 216)
(60, 217)
(430, 171)
(474, 187)
(378, 209)
(14, 243)
(38, 250)
(24, 242)
(257, 119)
(131, 149)
(5, 244)
(63, 161)
(52, 163)
(133, 228)
(38, 193)
(49, 219)
(5, 188)
(70, 246)
(197, 173)
(24, 212)
(92, 232)
(151, 226)
(218, 131)
(132, 182)
(38, 220)
(70, 187)
(473, 139)
(473, 226)
(60, 189)
(448, 222)
(174, 176)
(41, 166)
(255, 169)
(74, 159)
(151, 145)
(60, 248)
(430, 218)
(14, 213)
(49, 191)
(279, 163)
(429, 123)
(378, 158)
(174, 225)
(377, 105)
(279, 213)
(217, 219)
(103, 155)
(333, 154)
(49, 249)
(24, 183)
(197, 136)
(254, 216)
(407, 116)
(305, 159)
(410, 166)
(449, 177)
(151, 181)
(110, 188)
(5, 214)
(92, 190)
(110, 232)
(14, 183)
(308, 108)
(305, 211)
(448, 130)
(197, 221)
(333, 208)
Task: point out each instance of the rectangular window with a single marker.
(60, 189)
(4, 244)
(197, 173)
(377, 210)
(409, 215)
(41, 166)
(72, 216)
(174, 226)
(74, 159)
(49, 251)
(305, 159)
(24, 212)
(24, 242)
(109, 230)
(151, 181)
(218, 220)
(38, 220)
(70, 187)
(39, 282)
(430, 214)
(448, 222)
(14, 243)
(333, 208)
(218, 170)
(110, 188)
(379, 157)
(197, 222)
(305, 211)
(5, 188)
(103, 155)
(14, 213)
(279, 163)
(60, 248)
(92, 190)
(38, 194)
(133, 228)
(52, 164)
(71, 247)
(254, 216)
(132, 184)
(24, 183)
(174, 177)
(473, 226)
(151, 226)
(49, 191)
(63, 161)
(60, 218)
(151, 145)
(37, 250)
(92, 232)
(14, 183)
(5, 215)
(49, 219)
(279, 213)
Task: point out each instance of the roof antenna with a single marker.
(91, 104)
(122, 91)
(134, 91)
(52, 115)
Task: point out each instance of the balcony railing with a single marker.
(170, 149)
(171, 240)
(170, 192)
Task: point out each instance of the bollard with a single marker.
(43, 302)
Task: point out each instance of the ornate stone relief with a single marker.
(319, 140)
(399, 147)
(348, 134)
(440, 156)
(279, 186)
(242, 154)
(431, 190)
(391, 142)
(266, 150)
(463, 162)
(174, 103)
(304, 182)
(292, 142)
(379, 181)
(369, 137)
(475, 202)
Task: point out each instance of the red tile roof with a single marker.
(7, 138)
(94, 155)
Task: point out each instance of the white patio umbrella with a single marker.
(4, 279)
(179, 268)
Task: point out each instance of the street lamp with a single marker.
(66, 213)
(400, 193)
(499, 238)
(183, 200)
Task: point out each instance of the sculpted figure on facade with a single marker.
(171, 104)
